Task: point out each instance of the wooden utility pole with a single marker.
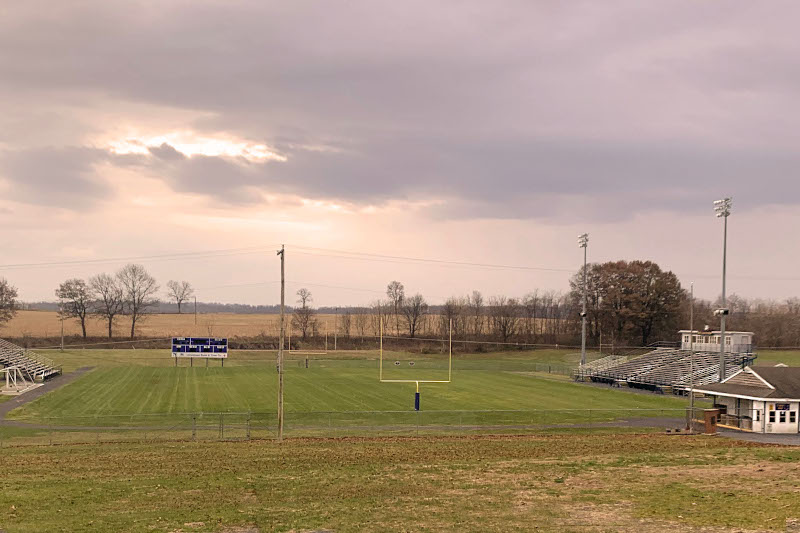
(195, 310)
(62, 333)
(280, 350)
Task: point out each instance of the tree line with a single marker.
(130, 292)
(628, 303)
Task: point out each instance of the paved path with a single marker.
(767, 438)
(49, 385)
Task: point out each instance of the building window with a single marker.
(758, 415)
(686, 338)
(792, 417)
(783, 417)
(772, 417)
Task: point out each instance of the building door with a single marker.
(783, 418)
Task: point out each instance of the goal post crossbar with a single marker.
(418, 381)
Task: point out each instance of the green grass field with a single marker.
(578, 483)
(144, 383)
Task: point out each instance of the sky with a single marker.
(489, 133)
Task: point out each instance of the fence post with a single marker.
(51, 433)
(221, 426)
(194, 428)
(248, 426)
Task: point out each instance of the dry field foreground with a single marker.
(576, 483)
(47, 324)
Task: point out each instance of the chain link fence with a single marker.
(263, 425)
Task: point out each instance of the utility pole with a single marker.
(723, 210)
(583, 242)
(280, 349)
(335, 327)
(62, 333)
(195, 310)
(691, 355)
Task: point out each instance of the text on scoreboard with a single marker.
(211, 347)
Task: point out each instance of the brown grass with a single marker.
(47, 324)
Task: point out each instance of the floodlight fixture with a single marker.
(583, 240)
(723, 207)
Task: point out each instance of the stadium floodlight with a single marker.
(583, 242)
(723, 209)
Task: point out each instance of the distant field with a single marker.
(550, 483)
(47, 324)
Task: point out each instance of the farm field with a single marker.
(575, 482)
(48, 324)
(144, 382)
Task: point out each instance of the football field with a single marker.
(144, 382)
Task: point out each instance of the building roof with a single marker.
(778, 382)
(716, 331)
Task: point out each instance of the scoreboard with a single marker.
(203, 347)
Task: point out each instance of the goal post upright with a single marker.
(416, 381)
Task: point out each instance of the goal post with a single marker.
(417, 381)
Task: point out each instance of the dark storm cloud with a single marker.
(512, 109)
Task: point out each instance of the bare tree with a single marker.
(396, 293)
(303, 316)
(139, 289)
(346, 321)
(180, 291)
(109, 299)
(476, 306)
(453, 313)
(379, 316)
(75, 301)
(361, 320)
(414, 310)
(504, 316)
(530, 307)
(8, 301)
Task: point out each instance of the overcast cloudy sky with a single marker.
(484, 132)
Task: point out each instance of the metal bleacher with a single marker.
(664, 368)
(34, 366)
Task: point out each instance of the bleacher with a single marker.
(604, 363)
(35, 366)
(666, 369)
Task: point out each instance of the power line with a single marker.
(364, 256)
(333, 253)
(161, 257)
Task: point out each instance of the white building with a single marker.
(708, 341)
(763, 399)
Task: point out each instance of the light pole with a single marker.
(691, 356)
(281, 253)
(723, 209)
(583, 242)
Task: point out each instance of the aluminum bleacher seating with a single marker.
(667, 368)
(35, 366)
